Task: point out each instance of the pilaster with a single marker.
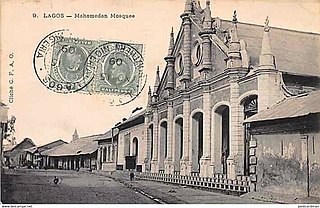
(169, 167)
(147, 165)
(154, 161)
(235, 161)
(185, 165)
(206, 169)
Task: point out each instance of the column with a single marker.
(185, 165)
(99, 158)
(74, 164)
(186, 77)
(169, 162)
(112, 153)
(68, 164)
(154, 162)
(206, 168)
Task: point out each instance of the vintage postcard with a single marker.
(160, 102)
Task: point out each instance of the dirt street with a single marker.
(36, 186)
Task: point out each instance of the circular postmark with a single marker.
(65, 64)
(59, 62)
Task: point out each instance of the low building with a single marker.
(80, 153)
(108, 151)
(18, 156)
(38, 155)
(133, 143)
(284, 145)
(124, 147)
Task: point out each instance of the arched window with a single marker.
(150, 135)
(197, 140)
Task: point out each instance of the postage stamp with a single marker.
(65, 64)
(119, 67)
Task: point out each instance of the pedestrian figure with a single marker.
(131, 176)
(56, 180)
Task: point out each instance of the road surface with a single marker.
(27, 186)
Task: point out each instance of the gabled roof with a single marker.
(24, 141)
(81, 146)
(31, 149)
(292, 107)
(296, 52)
(51, 145)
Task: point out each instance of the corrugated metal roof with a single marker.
(295, 52)
(51, 145)
(109, 134)
(81, 146)
(133, 117)
(289, 108)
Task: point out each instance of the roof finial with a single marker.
(266, 59)
(157, 82)
(266, 26)
(171, 42)
(149, 92)
(188, 6)
(235, 20)
(207, 24)
(149, 95)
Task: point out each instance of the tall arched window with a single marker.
(150, 135)
(197, 140)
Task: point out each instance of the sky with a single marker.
(45, 116)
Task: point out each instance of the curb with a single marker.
(128, 185)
